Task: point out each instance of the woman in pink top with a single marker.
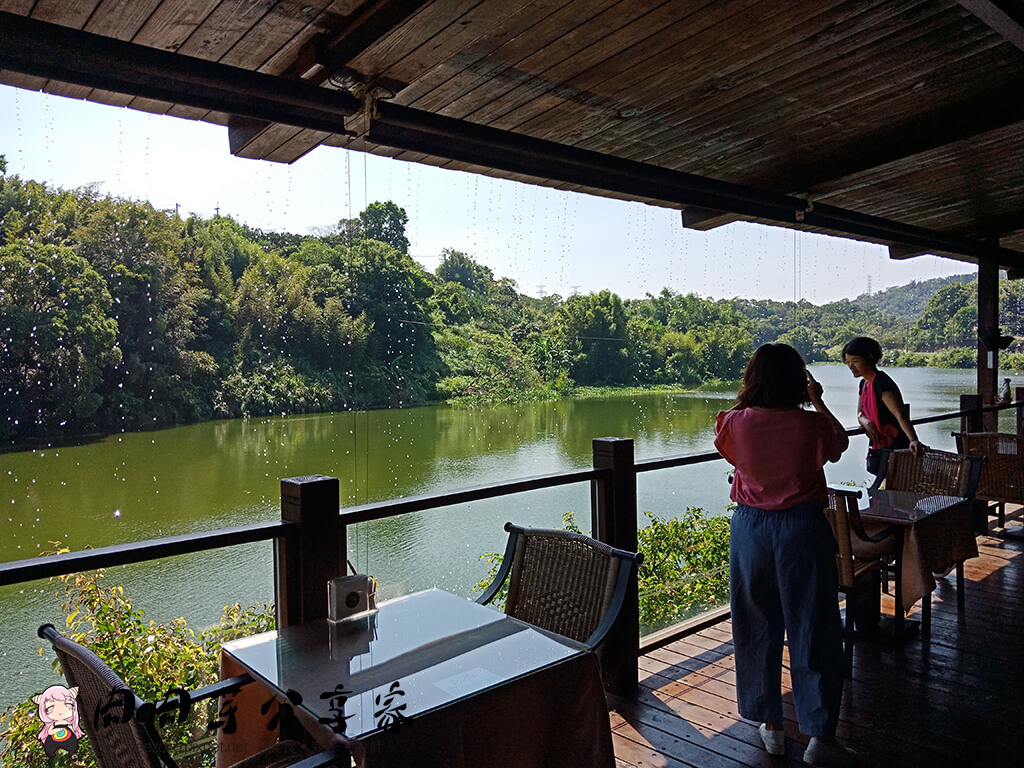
(783, 576)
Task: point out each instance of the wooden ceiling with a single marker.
(897, 121)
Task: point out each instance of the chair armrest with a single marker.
(860, 533)
(629, 563)
(975, 476)
(338, 757)
(506, 565)
(182, 703)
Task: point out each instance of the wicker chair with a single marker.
(938, 472)
(859, 555)
(563, 582)
(122, 727)
(1002, 474)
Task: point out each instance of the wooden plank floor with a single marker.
(957, 700)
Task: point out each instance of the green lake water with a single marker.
(150, 484)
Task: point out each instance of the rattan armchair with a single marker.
(563, 582)
(858, 556)
(939, 472)
(122, 728)
(1002, 474)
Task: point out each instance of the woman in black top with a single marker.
(880, 409)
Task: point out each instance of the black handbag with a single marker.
(873, 460)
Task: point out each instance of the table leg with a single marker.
(960, 607)
(865, 605)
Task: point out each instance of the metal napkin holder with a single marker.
(350, 597)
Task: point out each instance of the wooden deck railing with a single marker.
(311, 542)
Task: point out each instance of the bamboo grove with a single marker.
(115, 316)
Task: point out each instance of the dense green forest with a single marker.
(117, 316)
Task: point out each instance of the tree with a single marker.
(391, 290)
(386, 222)
(457, 267)
(944, 322)
(56, 338)
(595, 327)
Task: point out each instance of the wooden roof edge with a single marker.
(418, 131)
(68, 55)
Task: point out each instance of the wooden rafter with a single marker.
(1005, 18)
(324, 56)
(966, 120)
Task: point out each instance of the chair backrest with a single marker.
(1002, 474)
(564, 582)
(938, 472)
(842, 506)
(108, 709)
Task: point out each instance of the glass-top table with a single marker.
(907, 507)
(419, 653)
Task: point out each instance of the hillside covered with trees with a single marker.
(116, 316)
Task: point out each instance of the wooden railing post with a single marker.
(613, 521)
(971, 420)
(1018, 398)
(304, 562)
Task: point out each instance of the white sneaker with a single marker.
(774, 741)
(829, 754)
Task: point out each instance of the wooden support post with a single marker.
(613, 521)
(1018, 398)
(304, 562)
(973, 421)
(988, 355)
(970, 407)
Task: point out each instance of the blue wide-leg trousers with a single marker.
(784, 582)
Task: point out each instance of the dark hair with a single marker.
(775, 377)
(865, 347)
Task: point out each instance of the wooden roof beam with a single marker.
(68, 55)
(1004, 18)
(703, 219)
(462, 141)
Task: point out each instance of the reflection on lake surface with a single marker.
(205, 476)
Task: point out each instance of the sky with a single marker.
(546, 240)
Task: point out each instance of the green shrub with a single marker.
(685, 569)
(954, 358)
(152, 658)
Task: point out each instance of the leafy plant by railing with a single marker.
(152, 658)
(685, 569)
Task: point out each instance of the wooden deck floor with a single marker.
(957, 700)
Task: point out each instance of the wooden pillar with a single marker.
(613, 521)
(988, 322)
(1018, 398)
(305, 561)
(971, 418)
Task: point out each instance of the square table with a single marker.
(937, 535)
(430, 673)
